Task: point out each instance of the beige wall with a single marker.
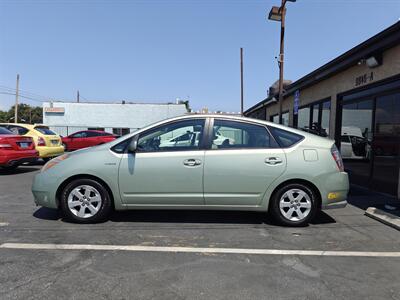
(342, 82)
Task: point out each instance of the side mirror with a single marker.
(133, 144)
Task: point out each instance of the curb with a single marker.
(383, 217)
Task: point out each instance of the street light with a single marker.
(278, 14)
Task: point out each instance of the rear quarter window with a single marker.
(285, 138)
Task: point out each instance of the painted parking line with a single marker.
(135, 248)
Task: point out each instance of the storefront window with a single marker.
(303, 121)
(315, 118)
(325, 116)
(275, 119)
(285, 118)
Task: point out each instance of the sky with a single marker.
(161, 50)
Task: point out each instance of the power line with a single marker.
(22, 96)
(25, 92)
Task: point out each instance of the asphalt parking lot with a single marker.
(146, 272)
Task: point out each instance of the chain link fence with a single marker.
(68, 130)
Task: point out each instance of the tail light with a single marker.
(337, 157)
(41, 142)
(5, 146)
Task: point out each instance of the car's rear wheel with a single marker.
(85, 201)
(294, 204)
(10, 168)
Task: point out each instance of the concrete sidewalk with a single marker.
(381, 207)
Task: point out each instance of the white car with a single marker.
(353, 145)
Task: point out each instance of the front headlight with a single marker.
(54, 161)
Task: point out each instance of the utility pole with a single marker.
(77, 96)
(279, 14)
(281, 59)
(16, 101)
(241, 81)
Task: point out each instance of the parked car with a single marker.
(15, 150)
(353, 145)
(47, 142)
(288, 172)
(86, 138)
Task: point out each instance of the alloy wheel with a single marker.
(84, 201)
(295, 205)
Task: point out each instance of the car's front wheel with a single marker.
(294, 204)
(85, 201)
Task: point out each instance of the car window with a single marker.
(285, 138)
(79, 135)
(92, 134)
(239, 135)
(168, 137)
(45, 131)
(5, 131)
(18, 129)
(121, 147)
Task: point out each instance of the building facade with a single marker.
(354, 99)
(118, 118)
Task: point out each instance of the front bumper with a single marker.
(44, 189)
(53, 151)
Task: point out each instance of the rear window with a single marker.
(45, 131)
(5, 131)
(18, 130)
(285, 138)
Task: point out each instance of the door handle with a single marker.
(192, 162)
(273, 160)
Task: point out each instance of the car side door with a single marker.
(239, 169)
(162, 173)
(92, 139)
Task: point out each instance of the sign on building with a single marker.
(296, 102)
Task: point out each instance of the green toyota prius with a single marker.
(213, 162)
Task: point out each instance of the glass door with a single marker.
(355, 141)
(386, 144)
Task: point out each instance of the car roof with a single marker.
(29, 126)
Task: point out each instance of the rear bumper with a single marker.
(340, 204)
(334, 188)
(50, 151)
(18, 157)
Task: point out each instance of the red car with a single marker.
(15, 149)
(86, 138)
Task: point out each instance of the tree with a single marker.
(26, 114)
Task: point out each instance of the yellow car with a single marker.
(47, 142)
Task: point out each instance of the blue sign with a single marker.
(296, 102)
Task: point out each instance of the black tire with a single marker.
(10, 168)
(105, 206)
(46, 159)
(65, 147)
(275, 205)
